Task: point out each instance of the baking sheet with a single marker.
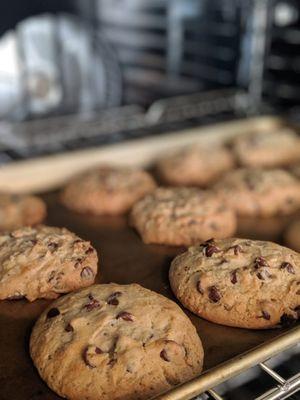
(123, 259)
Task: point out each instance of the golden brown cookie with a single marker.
(107, 190)
(17, 210)
(182, 216)
(44, 262)
(239, 282)
(194, 165)
(258, 192)
(267, 149)
(115, 342)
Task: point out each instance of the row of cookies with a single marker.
(166, 215)
(202, 165)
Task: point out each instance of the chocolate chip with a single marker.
(236, 249)
(266, 315)
(98, 351)
(87, 273)
(210, 249)
(53, 312)
(286, 265)
(263, 274)
(69, 328)
(287, 320)
(126, 316)
(52, 246)
(93, 303)
(233, 276)
(214, 294)
(112, 299)
(260, 262)
(89, 250)
(86, 358)
(199, 288)
(163, 354)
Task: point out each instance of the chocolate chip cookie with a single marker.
(182, 216)
(292, 235)
(115, 342)
(194, 165)
(258, 192)
(239, 282)
(107, 190)
(18, 210)
(267, 149)
(44, 262)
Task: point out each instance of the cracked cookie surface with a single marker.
(107, 190)
(182, 216)
(17, 210)
(267, 149)
(115, 342)
(239, 282)
(44, 262)
(194, 165)
(259, 192)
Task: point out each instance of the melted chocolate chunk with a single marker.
(126, 316)
(53, 312)
(52, 246)
(214, 294)
(266, 315)
(260, 262)
(69, 328)
(92, 304)
(210, 249)
(163, 354)
(233, 276)
(288, 266)
(113, 299)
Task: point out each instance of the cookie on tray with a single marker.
(194, 165)
(292, 235)
(267, 148)
(17, 210)
(115, 342)
(259, 192)
(44, 262)
(107, 190)
(182, 216)
(239, 282)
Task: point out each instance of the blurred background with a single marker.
(128, 68)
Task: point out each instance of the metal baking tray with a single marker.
(125, 259)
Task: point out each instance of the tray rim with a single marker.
(233, 367)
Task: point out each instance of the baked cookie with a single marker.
(194, 165)
(115, 342)
(267, 149)
(181, 216)
(107, 190)
(18, 210)
(258, 192)
(44, 262)
(239, 282)
(292, 235)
